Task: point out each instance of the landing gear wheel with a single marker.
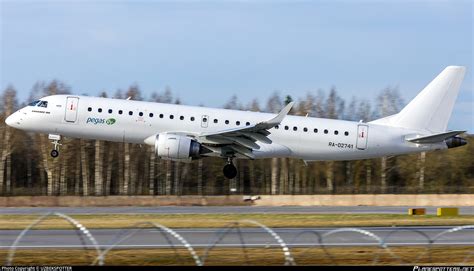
(230, 171)
(56, 139)
(54, 153)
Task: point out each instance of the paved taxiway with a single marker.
(252, 237)
(226, 210)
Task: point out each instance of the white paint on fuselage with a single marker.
(310, 146)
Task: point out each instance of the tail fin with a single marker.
(431, 109)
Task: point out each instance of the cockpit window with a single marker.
(34, 103)
(43, 104)
(39, 103)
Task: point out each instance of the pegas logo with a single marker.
(96, 121)
(110, 121)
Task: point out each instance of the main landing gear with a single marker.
(229, 170)
(56, 139)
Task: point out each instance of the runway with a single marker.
(227, 210)
(251, 237)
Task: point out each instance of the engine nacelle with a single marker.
(177, 147)
(455, 141)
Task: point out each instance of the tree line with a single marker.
(99, 168)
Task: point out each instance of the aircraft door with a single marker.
(204, 121)
(362, 136)
(71, 109)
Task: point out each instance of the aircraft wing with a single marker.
(242, 140)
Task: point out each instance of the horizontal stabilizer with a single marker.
(435, 138)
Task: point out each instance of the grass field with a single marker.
(263, 256)
(220, 220)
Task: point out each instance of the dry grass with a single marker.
(221, 220)
(263, 256)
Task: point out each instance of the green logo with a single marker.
(110, 121)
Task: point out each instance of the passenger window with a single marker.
(130, 113)
(315, 130)
(346, 133)
(295, 128)
(237, 123)
(89, 109)
(181, 118)
(120, 112)
(336, 132)
(276, 127)
(247, 123)
(161, 116)
(171, 117)
(110, 111)
(192, 118)
(204, 119)
(326, 131)
(100, 110)
(151, 115)
(216, 121)
(226, 122)
(305, 129)
(140, 114)
(286, 127)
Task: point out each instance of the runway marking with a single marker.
(247, 245)
(293, 230)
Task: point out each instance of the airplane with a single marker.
(186, 133)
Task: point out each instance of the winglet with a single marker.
(278, 119)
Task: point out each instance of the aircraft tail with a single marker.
(431, 109)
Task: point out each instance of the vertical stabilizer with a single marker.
(431, 109)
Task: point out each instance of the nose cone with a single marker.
(10, 121)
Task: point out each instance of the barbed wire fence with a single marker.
(313, 238)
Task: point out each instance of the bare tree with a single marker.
(108, 180)
(169, 167)
(126, 168)
(98, 167)
(63, 173)
(389, 102)
(84, 168)
(199, 177)
(151, 172)
(274, 105)
(9, 103)
(233, 103)
(421, 162)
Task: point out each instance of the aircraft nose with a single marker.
(10, 121)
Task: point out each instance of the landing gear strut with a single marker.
(56, 139)
(229, 170)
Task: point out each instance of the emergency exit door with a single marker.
(204, 121)
(71, 109)
(362, 136)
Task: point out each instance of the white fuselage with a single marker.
(305, 138)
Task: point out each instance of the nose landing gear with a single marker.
(229, 170)
(54, 153)
(56, 139)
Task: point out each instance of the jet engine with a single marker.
(177, 147)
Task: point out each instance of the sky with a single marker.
(207, 51)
